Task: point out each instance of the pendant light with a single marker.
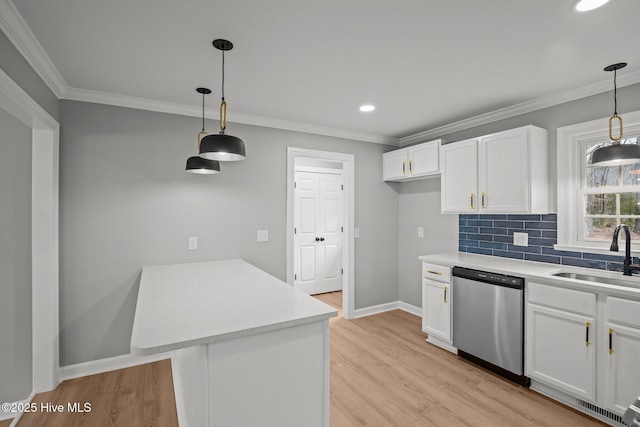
(222, 147)
(197, 164)
(616, 154)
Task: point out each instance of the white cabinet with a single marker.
(436, 305)
(623, 353)
(505, 172)
(459, 179)
(561, 339)
(412, 162)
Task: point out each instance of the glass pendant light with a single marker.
(197, 164)
(222, 147)
(616, 154)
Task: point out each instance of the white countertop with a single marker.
(185, 305)
(629, 286)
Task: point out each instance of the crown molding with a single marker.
(19, 33)
(97, 97)
(626, 79)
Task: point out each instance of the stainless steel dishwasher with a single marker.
(488, 321)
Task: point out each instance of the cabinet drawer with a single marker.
(561, 298)
(623, 311)
(436, 272)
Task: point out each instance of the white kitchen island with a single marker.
(247, 349)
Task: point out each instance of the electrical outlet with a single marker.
(193, 243)
(521, 239)
(356, 233)
(263, 235)
(421, 232)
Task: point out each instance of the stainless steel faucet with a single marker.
(627, 268)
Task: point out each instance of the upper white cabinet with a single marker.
(505, 172)
(412, 162)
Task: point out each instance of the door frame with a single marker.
(44, 230)
(348, 254)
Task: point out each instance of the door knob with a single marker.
(322, 239)
(317, 239)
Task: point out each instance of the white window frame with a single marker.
(570, 162)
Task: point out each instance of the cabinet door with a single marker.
(503, 172)
(560, 350)
(394, 165)
(436, 307)
(459, 179)
(423, 158)
(623, 369)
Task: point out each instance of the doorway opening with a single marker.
(320, 221)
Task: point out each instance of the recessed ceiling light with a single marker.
(586, 5)
(367, 108)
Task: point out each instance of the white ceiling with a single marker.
(423, 63)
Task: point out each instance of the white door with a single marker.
(436, 299)
(623, 375)
(459, 179)
(318, 232)
(394, 165)
(423, 158)
(503, 173)
(561, 350)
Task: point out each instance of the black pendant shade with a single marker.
(222, 147)
(197, 164)
(226, 148)
(616, 154)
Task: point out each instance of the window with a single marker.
(593, 200)
(608, 196)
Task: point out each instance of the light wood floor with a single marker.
(138, 396)
(383, 373)
(5, 423)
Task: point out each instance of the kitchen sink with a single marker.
(626, 281)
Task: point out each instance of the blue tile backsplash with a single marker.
(493, 235)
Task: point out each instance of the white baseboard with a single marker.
(381, 308)
(405, 306)
(109, 364)
(4, 415)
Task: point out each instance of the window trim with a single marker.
(569, 164)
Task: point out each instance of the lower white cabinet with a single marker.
(622, 370)
(561, 350)
(560, 341)
(436, 305)
(437, 300)
(584, 344)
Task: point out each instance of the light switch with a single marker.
(356, 233)
(193, 243)
(421, 232)
(263, 235)
(521, 239)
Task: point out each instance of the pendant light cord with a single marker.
(223, 75)
(203, 112)
(615, 93)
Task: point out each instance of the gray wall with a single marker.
(126, 202)
(15, 259)
(13, 63)
(582, 110)
(419, 206)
